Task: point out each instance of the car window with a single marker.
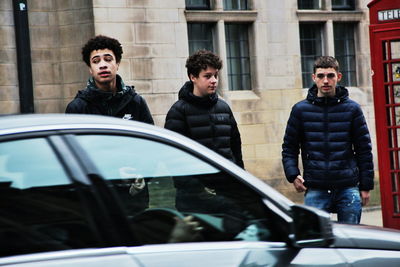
(39, 207)
(160, 185)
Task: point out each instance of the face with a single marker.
(206, 83)
(326, 81)
(103, 67)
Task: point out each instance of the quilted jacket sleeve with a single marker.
(363, 150)
(175, 120)
(291, 145)
(236, 143)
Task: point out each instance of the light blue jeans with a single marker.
(345, 202)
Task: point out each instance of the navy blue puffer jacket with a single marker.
(334, 140)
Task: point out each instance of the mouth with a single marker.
(104, 74)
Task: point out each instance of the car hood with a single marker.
(364, 236)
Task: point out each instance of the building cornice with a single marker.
(216, 15)
(318, 15)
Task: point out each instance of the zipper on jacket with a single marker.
(326, 133)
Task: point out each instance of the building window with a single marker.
(308, 4)
(311, 48)
(238, 56)
(198, 4)
(200, 36)
(345, 52)
(236, 5)
(343, 5)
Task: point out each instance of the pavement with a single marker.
(370, 216)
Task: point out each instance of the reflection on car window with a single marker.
(27, 163)
(158, 184)
(39, 207)
(140, 157)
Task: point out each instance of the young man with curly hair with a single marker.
(106, 93)
(202, 116)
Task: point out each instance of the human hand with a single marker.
(186, 230)
(299, 184)
(138, 181)
(365, 195)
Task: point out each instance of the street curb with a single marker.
(371, 208)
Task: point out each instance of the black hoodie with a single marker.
(126, 103)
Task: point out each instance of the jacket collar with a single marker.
(186, 93)
(342, 94)
(92, 93)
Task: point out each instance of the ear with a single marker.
(313, 77)
(90, 71)
(339, 76)
(191, 77)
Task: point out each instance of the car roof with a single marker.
(60, 120)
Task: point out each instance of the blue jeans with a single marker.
(345, 202)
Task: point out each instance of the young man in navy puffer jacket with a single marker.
(330, 132)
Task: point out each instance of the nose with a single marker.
(102, 64)
(214, 79)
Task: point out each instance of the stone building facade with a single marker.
(154, 35)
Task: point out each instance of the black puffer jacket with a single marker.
(126, 103)
(207, 120)
(334, 141)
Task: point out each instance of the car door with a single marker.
(164, 187)
(42, 206)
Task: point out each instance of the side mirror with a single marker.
(311, 227)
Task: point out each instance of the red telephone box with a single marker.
(384, 31)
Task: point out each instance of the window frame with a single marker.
(205, 6)
(346, 5)
(307, 74)
(241, 73)
(347, 79)
(301, 5)
(192, 42)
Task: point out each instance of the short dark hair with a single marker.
(326, 62)
(200, 60)
(101, 42)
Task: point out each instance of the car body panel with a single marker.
(352, 245)
(367, 237)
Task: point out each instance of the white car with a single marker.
(85, 190)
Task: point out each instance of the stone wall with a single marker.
(154, 38)
(58, 29)
(9, 96)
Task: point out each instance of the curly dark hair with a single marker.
(101, 42)
(200, 60)
(326, 62)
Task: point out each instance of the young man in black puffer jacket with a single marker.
(200, 115)
(105, 93)
(330, 130)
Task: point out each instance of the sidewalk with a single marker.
(370, 216)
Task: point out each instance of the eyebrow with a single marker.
(96, 56)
